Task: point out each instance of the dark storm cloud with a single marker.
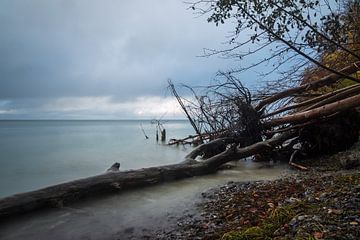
(122, 49)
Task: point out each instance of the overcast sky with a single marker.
(101, 59)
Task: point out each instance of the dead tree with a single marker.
(225, 109)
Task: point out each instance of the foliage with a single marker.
(338, 58)
(277, 217)
(310, 21)
(291, 33)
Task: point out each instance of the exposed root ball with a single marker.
(335, 135)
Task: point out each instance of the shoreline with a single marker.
(301, 199)
(135, 214)
(323, 203)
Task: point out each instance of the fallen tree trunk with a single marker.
(332, 78)
(325, 110)
(340, 92)
(342, 95)
(65, 193)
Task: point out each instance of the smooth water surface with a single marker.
(35, 154)
(40, 153)
(131, 214)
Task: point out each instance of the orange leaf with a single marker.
(318, 235)
(253, 210)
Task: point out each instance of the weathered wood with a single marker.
(341, 95)
(332, 78)
(325, 110)
(163, 135)
(295, 165)
(174, 92)
(111, 182)
(114, 168)
(347, 91)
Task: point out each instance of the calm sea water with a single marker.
(36, 154)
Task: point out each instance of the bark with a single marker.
(318, 112)
(182, 105)
(340, 92)
(111, 182)
(295, 165)
(341, 95)
(332, 78)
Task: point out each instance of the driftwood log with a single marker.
(113, 181)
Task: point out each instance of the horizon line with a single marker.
(147, 119)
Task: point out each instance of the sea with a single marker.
(36, 154)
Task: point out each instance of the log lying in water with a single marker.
(110, 182)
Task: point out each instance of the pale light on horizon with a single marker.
(144, 107)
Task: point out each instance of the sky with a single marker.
(101, 59)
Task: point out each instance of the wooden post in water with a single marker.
(163, 135)
(159, 130)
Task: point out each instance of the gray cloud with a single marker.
(119, 49)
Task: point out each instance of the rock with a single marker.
(292, 200)
(350, 161)
(301, 217)
(323, 195)
(293, 221)
(334, 211)
(316, 218)
(311, 199)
